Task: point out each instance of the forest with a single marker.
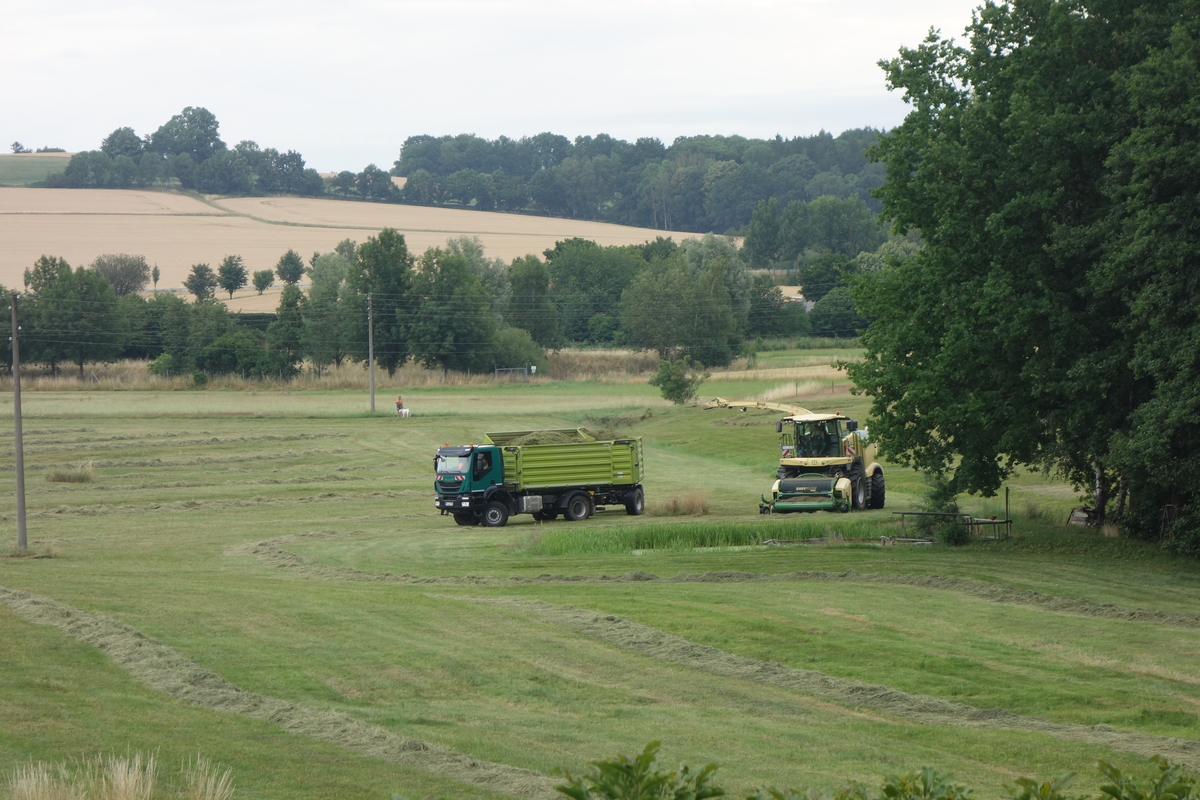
(696, 184)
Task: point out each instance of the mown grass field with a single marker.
(342, 640)
(22, 169)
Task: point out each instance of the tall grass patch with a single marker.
(561, 540)
(82, 472)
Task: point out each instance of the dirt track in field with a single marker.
(273, 554)
(165, 670)
(923, 709)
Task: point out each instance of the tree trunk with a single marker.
(1101, 492)
(1122, 493)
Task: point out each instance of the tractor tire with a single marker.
(858, 488)
(635, 504)
(579, 507)
(877, 490)
(495, 515)
(787, 472)
(466, 518)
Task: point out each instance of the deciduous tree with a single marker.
(231, 274)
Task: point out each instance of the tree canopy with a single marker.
(1051, 318)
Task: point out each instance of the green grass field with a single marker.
(23, 170)
(312, 623)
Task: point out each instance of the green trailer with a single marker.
(544, 473)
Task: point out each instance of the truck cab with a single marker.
(463, 472)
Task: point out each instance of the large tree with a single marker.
(126, 273)
(451, 325)
(75, 316)
(231, 274)
(1013, 336)
(382, 269)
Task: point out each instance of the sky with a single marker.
(345, 82)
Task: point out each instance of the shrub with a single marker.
(679, 381)
(692, 504)
(622, 778)
(83, 472)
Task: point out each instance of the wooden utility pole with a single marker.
(18, 438)
(371, 346)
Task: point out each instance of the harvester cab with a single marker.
(826, 461)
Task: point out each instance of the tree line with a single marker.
(697, 183)
(1052, 165)
(450, 308)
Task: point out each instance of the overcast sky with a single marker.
(346, 81)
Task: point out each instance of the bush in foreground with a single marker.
(641, 778)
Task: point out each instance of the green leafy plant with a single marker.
(1172, 783)
(623, 778)
(679, 381)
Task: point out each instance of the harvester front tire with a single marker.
(495, 515)
(635, 506)
(466, 518)
(579, 507)
(858, 498)
(877, 490)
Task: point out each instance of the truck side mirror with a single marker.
(851, 425)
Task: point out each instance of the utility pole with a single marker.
(371, 346)
(18, 438)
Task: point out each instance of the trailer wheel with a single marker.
(495, 515)
(579, 507)
(545, 515)
(635, 505)
(466, 518)
(877, 490)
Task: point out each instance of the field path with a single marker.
(165, 670)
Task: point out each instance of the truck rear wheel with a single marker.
(495, 515)
(466, 518)
(635, 503)
(579, 507)
(545, 515)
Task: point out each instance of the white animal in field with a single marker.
(403, 413)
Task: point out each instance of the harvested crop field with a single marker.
(274, 591)
(176, 231)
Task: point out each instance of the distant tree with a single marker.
(514, 347)
(127, 274)
(154, 276)
(192, 132)
(231, 274)
(587, 280)
(835, 314)
(17, 147)
(531, 306)
(823, 273)
(264, 279)
(762, 239)
(76, 316)
(224, 172)
(450, 326)
(285, 336)
(492, 272)
(201, 282)
(383, 268)
(122, 142)
(327, 324)
(375, 184)
(290, 268)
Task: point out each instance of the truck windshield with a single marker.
(459, 464)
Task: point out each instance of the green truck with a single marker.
(543, 473)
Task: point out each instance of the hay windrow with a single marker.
(272, 554)
(163, 669)
(923, 709)
(141, 442)
(197, 461)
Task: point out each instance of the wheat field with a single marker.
(175, 231)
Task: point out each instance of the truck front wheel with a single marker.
(495, 515)
(579, 507)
